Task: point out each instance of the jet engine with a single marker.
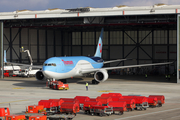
(101, 75)
(40, 76)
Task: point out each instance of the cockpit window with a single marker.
(49, 64)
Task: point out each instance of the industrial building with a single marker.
(146, 34)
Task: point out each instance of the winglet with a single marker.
(5, 56)
(99, 46)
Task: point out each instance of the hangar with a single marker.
(148, 34)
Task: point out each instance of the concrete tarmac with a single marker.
(18, 93)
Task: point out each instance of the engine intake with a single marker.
(101, 75)
(40, 75)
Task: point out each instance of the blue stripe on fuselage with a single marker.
(66, 64)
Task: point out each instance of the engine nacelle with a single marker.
(40, 76)
(101, 75)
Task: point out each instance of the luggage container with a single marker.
(92, 99)
(15, 117)
(101, 110)
(141, 101)
(69, 108)
(130, 103)
(38, 117)
(160, 98)
(115, 94)
(118, 107)
(88, 104)
(50, 106)
(104, 100)
(152, 101)
(35, 108)
(115, 98)
(71, 100)
(82, 99)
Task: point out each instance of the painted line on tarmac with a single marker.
(147, 114)
(13, 101)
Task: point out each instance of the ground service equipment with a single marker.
(104, 100)
(118, 107)
(101, 110)
(160, 98)
(4, 112)
(88, 104)
(141, 101)
(130, 103)
(81, 100)
(69, 108)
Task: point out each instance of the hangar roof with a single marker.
(91, 12)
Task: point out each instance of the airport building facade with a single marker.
(146, 34)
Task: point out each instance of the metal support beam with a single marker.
(81, 43)
(62, 44)
(38, 46)
(2, 50)
(46, 43)
(54, 42)
(178, 42)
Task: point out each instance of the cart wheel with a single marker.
(92, 114)
(144, 108)
(141, 108)
(101, 114)
(120, 113)
(88, 112)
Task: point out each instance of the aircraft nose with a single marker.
(46, 73)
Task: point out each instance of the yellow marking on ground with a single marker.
(18, 88)
(105, 91)
(13, 101)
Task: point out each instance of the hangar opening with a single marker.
(145, 34)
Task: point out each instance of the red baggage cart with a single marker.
(88, 104)
(130, 103)
(50, 106)
(82, 99)
(101, 110)
(111, 94)
(69, 107)
(71, 100)
(160, 98)
(141, 101)
(92, 99)
(104, 100)
(118, 107)
(152, 101)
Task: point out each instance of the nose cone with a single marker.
(47, 74)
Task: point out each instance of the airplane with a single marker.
(73, 66)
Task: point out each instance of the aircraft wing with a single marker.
(115, 60)
(33, 66)
(83, 71)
